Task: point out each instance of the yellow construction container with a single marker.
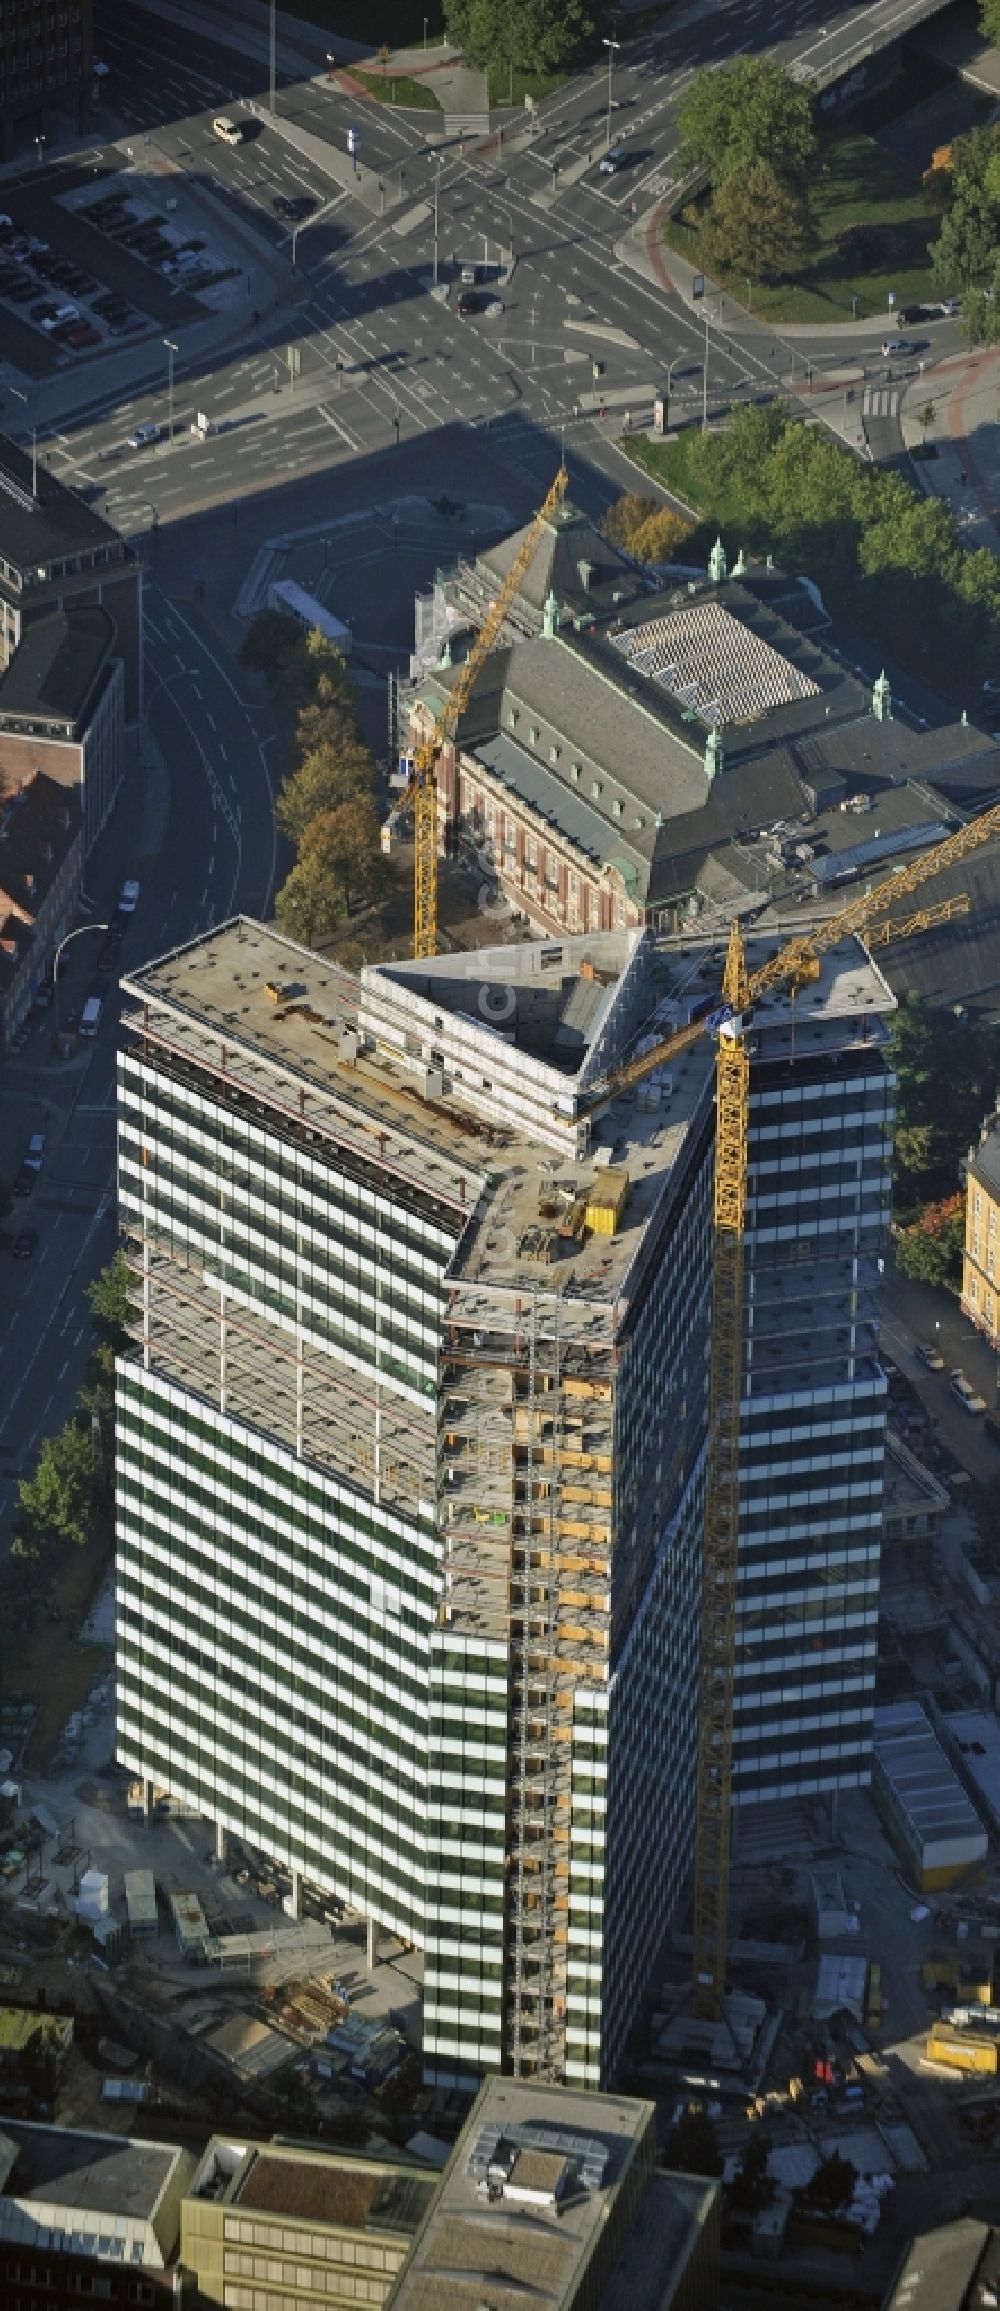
(606, 1201)
(963, 2049)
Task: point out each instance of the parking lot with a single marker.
(102, 261)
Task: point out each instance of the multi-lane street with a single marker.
(382, 356)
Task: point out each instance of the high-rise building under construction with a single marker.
(412, 1438)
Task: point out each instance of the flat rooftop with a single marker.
(526, 2197)
(321, 2190)
(672, 2214)
(282, 1024)
(51, 525)
(97, 2173)
(926, 1786)
(57, 663)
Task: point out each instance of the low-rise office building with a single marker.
(58, 553)
(62, 710)
(933, 1824)
(276, 2225)
(88, 2215)
(41, 875)
(551, 2197)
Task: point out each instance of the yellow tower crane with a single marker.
(794, 966)
(422, 788)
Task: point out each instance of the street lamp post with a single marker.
(171, 350)
(81, 928)
(272, 59)
(610, 45)
(425, 34)
(671, 366)
(40, 144)
(437, 177)
(19, 396)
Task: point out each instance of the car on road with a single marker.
(34, 1153)
(24, 1180)
(895, 345)
(229, 131)
(928, 1354)
(143, 435)
(128, 897)
(968, 1397)
(611, 161)
(25, 1243)
(293, 205)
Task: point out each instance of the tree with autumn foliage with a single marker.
(931, 1250)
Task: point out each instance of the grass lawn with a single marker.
(669, 463)
(506, 87)
(397, 88)
(855, 183)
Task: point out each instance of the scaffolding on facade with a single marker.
(526, 1466)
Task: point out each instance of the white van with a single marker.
(229, 130)
(90, 1016)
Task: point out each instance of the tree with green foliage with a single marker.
(108, 1296)
(535, 35)
(54, 1503)
(327, 777)
(692, 2146)
(989, 20)
(930, 1250)
(945, 1072)
(747, 110)
(293, 657)
(964, 253)
(756, 223)
(852, 526)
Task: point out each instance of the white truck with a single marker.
(90, 1016)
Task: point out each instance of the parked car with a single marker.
(963, 1389)
(25, 1243)
(126, 326)
(930, 1355)
(468, 303)
(80, 334)
(46, 311)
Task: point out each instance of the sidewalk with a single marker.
(964, 396)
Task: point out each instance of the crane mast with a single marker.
(867, 917)
(422, 787)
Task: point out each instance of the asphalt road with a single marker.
(381, 358)
(206, 807)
